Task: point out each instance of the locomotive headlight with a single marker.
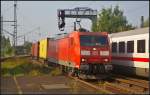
(85, 52)
(83, 60)
(104, 53)
(105, 60)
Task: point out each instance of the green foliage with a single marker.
(111, 20)
(27, 46)
(6, 48)
(56, 71)
(23, 66)
(94, 27)
(146, 23)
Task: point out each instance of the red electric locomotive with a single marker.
(86, 54)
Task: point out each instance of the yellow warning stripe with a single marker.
(18, 87)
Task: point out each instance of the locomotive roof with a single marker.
(63, 35)
(59, 36)
(131, 32)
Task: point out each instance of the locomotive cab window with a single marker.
(141, 46)
(121, 47)
(114, 47)
(130, 46)
(88, 40)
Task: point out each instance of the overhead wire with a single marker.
(4, 12)
(24, 29)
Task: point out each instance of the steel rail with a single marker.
(131, 83)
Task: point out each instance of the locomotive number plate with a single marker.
(94, 52)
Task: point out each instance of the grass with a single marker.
(11, 63)
(56, 72)
(23, 66)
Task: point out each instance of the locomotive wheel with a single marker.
(71, 71)
(76, 73)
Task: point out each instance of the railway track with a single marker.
(140, 87)
(115, 85)
(91, 85)
(137, 85)
(125, 85)
(106, 87)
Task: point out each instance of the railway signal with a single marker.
(78, 13)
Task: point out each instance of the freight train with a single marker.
(130, 52)
(81, 53)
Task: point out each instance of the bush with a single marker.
(23, 66)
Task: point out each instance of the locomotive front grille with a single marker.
(95, 53)
(97, 69)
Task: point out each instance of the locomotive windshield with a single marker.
(86, 40)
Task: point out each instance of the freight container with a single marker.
(32, 49)
(43, 48)
(35, 50)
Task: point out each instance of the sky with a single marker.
(40, 17)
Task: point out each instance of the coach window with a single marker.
(121, 47)
(130, 46)
(141, 46)
(114, 47)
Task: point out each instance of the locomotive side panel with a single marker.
(63, 46)
(69, 50)
(74, 49)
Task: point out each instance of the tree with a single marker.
(111, 20)
(9, 49)
(94, 27)
(6, 48)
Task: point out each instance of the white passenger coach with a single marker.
(130, 52)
